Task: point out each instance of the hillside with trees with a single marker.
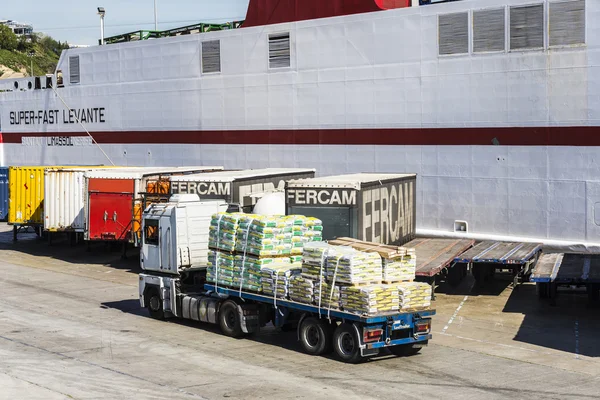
(17, 53)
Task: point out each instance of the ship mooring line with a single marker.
(83, 126)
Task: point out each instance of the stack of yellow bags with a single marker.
(370, 299)
(414, 295)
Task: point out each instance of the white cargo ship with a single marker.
(495, 104)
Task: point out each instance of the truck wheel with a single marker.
(346, 344)
(405, 350)
(155, 304)
(229, 319)
(316, 336)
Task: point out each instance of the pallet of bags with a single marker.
(220, 268)
(325, 296)
(247, 271)
(264, 236)
(371, 299)
(223, 231)
(346, 265)
(275, 278)
(402, 268)
(314, 257)
(301, 289)
(305, 230)
(414, 295)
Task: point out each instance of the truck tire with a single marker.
(154, 304)
(405, 350)
(346, 344)
(229, 319)
(316, 336)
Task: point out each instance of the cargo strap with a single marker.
(323, 260)
(337, 264)
(244, 256)
(275, 288)
(217, 258)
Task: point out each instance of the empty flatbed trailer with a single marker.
(487, 257)
(435, 260)
(558, 269)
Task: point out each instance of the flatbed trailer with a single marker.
(559, 269)
(488, 256)
(320, 330)
(435, 260)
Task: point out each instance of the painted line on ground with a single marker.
(455, 314)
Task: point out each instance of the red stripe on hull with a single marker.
(534, 136)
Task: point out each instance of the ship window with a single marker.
(74, 76)
(211, 56)
(151, 231)
(38, 82)
(567, 23)
(453, 30)
(527, 27)
(488, 30)
(279, 50)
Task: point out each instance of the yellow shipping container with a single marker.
(26, 195)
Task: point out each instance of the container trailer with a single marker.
(242, 188)
(379, 208)
(26, 197)
(112, 202)
(173, 285)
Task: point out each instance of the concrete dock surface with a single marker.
(71, 328)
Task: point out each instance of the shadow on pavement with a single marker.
(469, 287)
(61, 249)
(129, 306)
(570, 326)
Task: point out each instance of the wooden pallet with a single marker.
(384, 250)
(396, 282)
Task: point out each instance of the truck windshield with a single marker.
(151, 231)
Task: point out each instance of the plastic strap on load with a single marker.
(244, 256)
(323, 259)
(337, 263)
(275, 290)
(217, 257)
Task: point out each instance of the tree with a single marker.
(8, 40)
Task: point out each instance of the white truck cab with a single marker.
(175, 234)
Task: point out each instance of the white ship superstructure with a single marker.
(494, 104)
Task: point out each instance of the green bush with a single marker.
(8, 40)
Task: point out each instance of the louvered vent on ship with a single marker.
(567, 23)
(488, 30)
(454, 33)
(527, 27)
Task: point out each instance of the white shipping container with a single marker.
(64, 197)
(65, 192)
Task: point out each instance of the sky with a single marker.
(77, 22)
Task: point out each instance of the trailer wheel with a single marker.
(405, 350)
(316, 336)
(229, 319)
(346, 344)
(155, 304)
